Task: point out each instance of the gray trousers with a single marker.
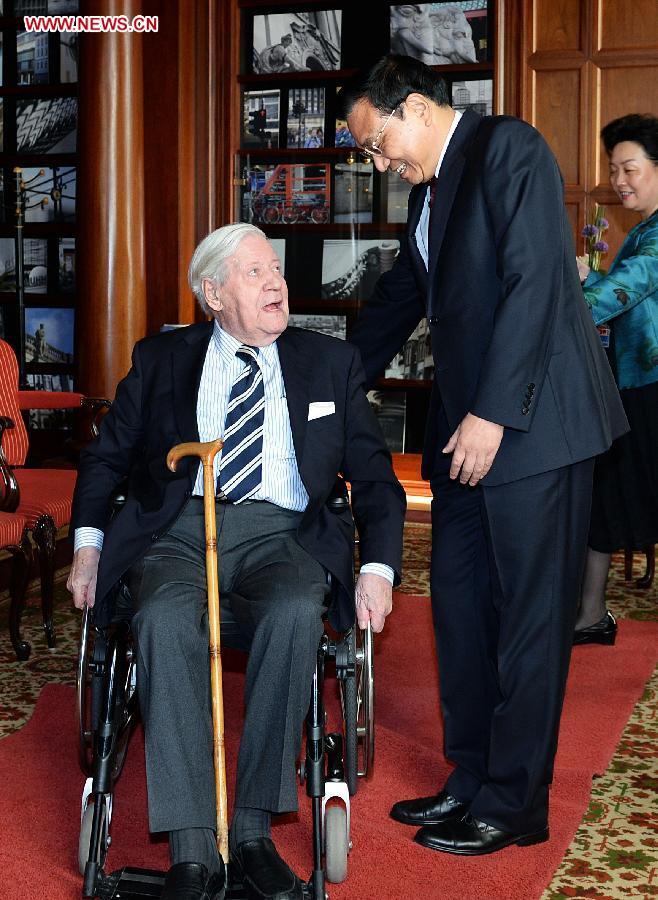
(272, 601)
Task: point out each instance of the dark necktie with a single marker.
(241, 464)
(432, 197)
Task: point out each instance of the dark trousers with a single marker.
(272, 601)
(507, 564)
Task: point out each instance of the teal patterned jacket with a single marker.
(627, 298)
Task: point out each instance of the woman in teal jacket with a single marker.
(625, 500)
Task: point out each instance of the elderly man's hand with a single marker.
(374, 600)
(473, 446)
(82, 577)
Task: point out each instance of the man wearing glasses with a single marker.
(522, 400)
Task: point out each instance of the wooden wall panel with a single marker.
(626, 25)
(557, 98)
(558, 25)
(582, 64)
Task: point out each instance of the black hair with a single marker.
(641, 129)
(390, 81)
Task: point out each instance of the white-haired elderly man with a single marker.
(292, 410)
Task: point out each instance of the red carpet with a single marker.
(41, 782)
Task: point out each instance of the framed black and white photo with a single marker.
(261, 113)
(66, 265)
(297, 41)
(32, 57)
(46, 125)
(68, 57)
(7, 264)
(35, 265)
(49, 335)
(476, 95)
(305, 118)
(453, 32)
(335, 326)
(352, 192)
(287, 193)
(56, 186)
(390, 407)
(414, 361)
(350, 268)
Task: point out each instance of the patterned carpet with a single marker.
(614, 854)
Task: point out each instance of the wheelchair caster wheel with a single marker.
(336, 843)
(85, 838)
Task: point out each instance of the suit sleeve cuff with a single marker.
(87, 537)
(378, 569)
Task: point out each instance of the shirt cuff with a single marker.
(378, 569)
(87, 537)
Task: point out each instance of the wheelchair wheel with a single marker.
(85, 838)
(358, 702)
(336, 843)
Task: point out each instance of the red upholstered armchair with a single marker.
(41, 496)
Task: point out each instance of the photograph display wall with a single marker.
(38, 141)
(304, 181)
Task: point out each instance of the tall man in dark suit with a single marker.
(291, 409)
(522, 400)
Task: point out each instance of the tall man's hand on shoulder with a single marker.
(374, 600)
(473, 446)
(82, 577)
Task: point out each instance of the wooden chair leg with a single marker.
(647, 579)
(20, 576)
(44, 534)
(628, 565)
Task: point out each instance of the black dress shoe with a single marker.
(190, 881)
(470, 837)
(601, 632)
(428, 810)
(264, 874)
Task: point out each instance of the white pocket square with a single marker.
(321, 408)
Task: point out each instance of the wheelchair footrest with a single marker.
(136, 884)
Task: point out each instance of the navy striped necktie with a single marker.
(241, 464)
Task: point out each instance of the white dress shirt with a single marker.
(422, 229)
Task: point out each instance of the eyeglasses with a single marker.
(375, 148)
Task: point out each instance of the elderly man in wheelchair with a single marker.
(291, 409)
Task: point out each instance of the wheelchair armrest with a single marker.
(339, 499)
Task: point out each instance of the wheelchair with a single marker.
(330, 768)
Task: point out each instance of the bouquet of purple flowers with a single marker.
(595, 246)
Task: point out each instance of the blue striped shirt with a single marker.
(281, 483)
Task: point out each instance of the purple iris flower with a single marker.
(589, 231)
(601, 247)
(602, 224)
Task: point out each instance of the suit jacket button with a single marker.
(531, 386)
(433, 320)
(525, 410)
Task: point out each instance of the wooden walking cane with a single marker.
(206, 452)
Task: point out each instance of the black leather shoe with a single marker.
(190, 881)
(602, 632)
(428, 810)
(264, 874)
(470, 837)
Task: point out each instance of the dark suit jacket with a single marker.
(155, 408)
(512, 338)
